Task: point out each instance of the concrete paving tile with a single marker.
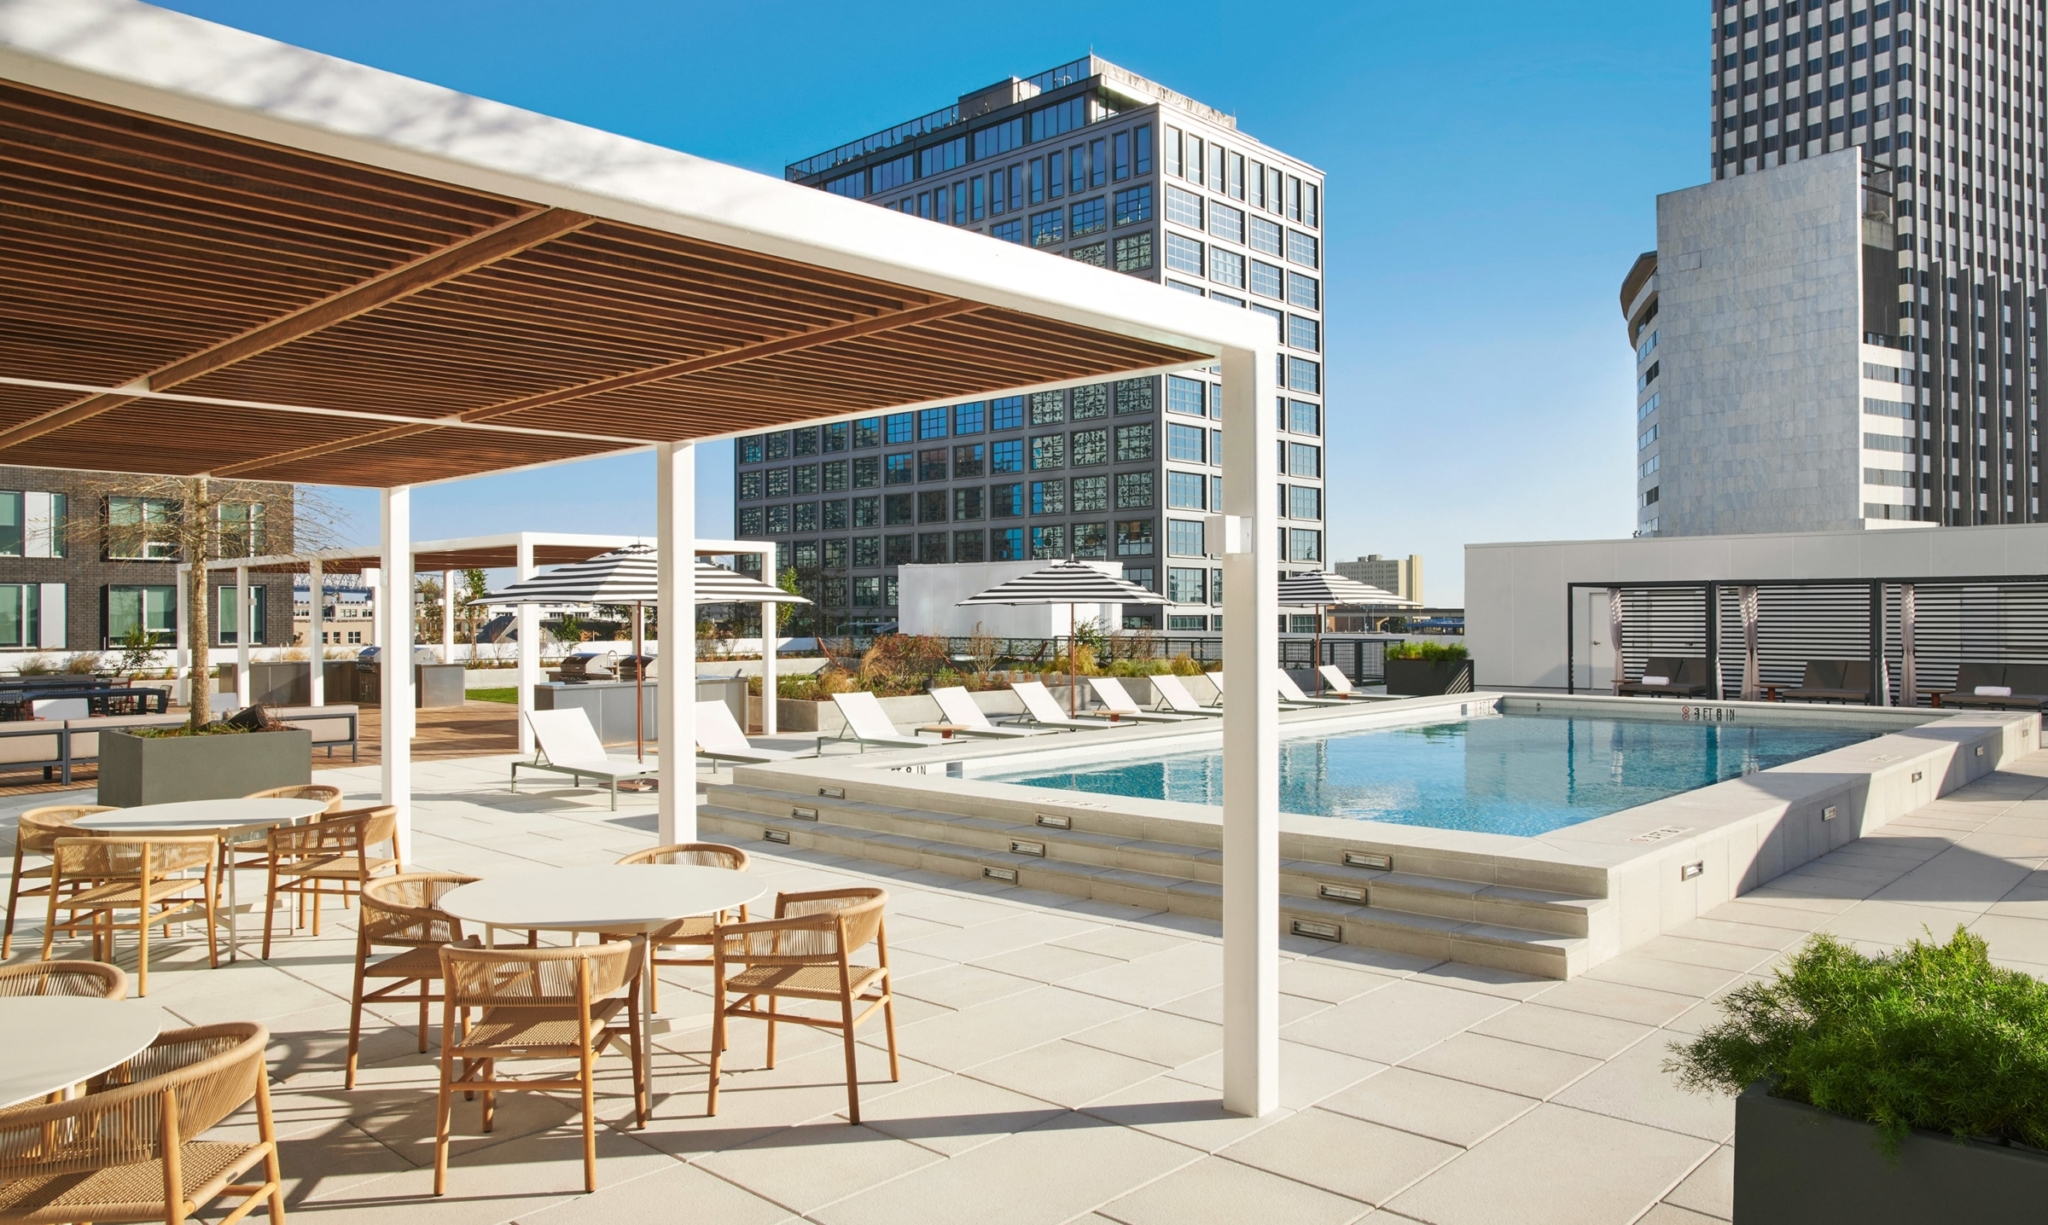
(1710, 1189)
(1181, 1112)
(1014, 931)
(1893, 923)
(1332, 982)
(1484, 979)
(1740, 934)
(1006, 1183)
(1207, 1005)
(1157, 978)
(1344, 1155)
(1123, 942)
(1519, 1165)
(1065, 1072)
(1396, 1021)
(806, 1167)
(989, 1031)
(1116, 911)
(1711, 953)
(962, 986)
(1621, 1001)
(1513, 1067)
(1452, 1111)
(1048, 963)
(1563, 1030)
(952, 1114)
(660, 1195)
(1634, 1086)
(1308, 1074)
(2022, 939)
(1228, 1193)
(1678, 978)
(1156, 1037)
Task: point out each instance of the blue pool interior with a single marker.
(1521, 774)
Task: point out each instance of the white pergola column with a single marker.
(770, 640)
(448, 616)
(394, 613)
(243, 633)
(1251, 741)
(675, 707)
(526, 620)
(182, 657)
(316, 633)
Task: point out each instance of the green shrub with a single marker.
(1427, 650)
(216, 728)
(1931, 1036)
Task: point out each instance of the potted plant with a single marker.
(216, 761)
(1911, 1086)
(1423, 669)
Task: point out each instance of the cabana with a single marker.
(229, 256)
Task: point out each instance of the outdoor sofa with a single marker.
(1683, 678)
(1831, 680)
(57, 745)
(2028, 684)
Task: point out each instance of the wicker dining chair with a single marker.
(88, 979)
(805, 954)
(130, 1151)
(335, 850)
(37, 834)
(550, 1004)
(401, 912)
(100, 879)
(692, 932)
(248, 846)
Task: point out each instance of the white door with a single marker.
(1593, 644)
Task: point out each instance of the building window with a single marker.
(867, 552)
(1048, 228)
(750, 490)
(1185, 538)
(1134, 491)
(897, 469)
(1091, 401)
(227, 623)
(752, 522)
(901, 428)
(931, 464)
(835, 476)
(1304, 333)
(1005, 501)
(1048, 407)
(931, 548)
(1186, 491)
(1304, 291)
(806, 516)
(804, 478)
(1184, 207)
(1008, 231)
(836, 437)
(1304, 417)
(1143, 140)
(835, 515)
(750, 449)
(1091, 493)
(1304, 502)
(967, 461)
(1304, 375)
(968, 546)
(1184, 254)
(1226, 267)
(1135, 395)
(1133, 443)
(1090, 447)
(1006, 456)
(931, 423)
(1048, 451)
(1187, 443)
(141, 529)
(1048, 497)
(803, 442)
(152, 608)
(1185, 396)
(1091, 540)
(967, 418)
(1302, 249)
(1134, 253)
(834, 554)
(867, 512)
(778, 520)
(898, 550)
(1134, 537)
(1304, 545)
(21, 615)
(1007, 544)
(931, 507)
(867, 472)
(898, 509)
(867, 591)
(1226, 222)
(1090, 216)
(1267, 280)
(1304, 460)
(778, 445)
(1185, 585)
(867, 433)
(1133, 205)
(967, 502)
(1264, 237)
(1049, 543)
(1095, 254)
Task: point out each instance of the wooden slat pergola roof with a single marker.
(194, 284)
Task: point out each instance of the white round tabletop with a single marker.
(57, 1041)
(619, 897)
(202, 816)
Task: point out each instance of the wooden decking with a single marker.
(475, 729)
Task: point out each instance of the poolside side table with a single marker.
(74, 1038)
(946, 731)
(216, 817)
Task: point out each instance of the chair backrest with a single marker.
(1216, 679)
(1668, 667)
(1972, 674)
(1111, 693)
(1288, 689)
(865, 715)
(1691, 671)
(565, 737)
(350, 832)
(957, 705)
(693, 854)
(301, 791)
(2030, 679)
(1038, 701)
(1334, 677)
(480, 977)
(39, 828)
(1174, 693)
(807, 925)
(406, 909)
(130, 856)
(87, 979)
(1855, 674)
(1822, 674)
(717, 729)
(213, 1069)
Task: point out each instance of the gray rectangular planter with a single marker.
(1795, 1165)
(1422, 678)
(164, 769)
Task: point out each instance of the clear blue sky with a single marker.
(1492, 172)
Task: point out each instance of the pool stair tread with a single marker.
(1514, 929)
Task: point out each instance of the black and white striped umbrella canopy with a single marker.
(1066, 582)
(630, 576)
(1320, 587)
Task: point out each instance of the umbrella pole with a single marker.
(1073, 668)
(639, 681)
(1316, 666)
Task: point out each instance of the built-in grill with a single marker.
(630, 665)
(589, 667)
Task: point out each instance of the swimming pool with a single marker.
(1514, 773)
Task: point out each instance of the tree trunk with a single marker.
(199, 629)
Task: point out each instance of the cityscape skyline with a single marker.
(1530, 172)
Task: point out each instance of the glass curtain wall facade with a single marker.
(1948, 103)
(1092, 163)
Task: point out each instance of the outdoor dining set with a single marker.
(105, 1121)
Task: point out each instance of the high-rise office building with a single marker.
(1843, 327)
(1400, 575)
(1091, 163)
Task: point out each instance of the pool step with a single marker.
(1521, 930)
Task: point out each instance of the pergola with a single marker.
(228, 256)
(522, 552)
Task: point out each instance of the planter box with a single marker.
(1796, 1165)
(1424, 678)
(162, 770)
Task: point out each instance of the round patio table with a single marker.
(216, 817)
(58, 1041)
(617, 899)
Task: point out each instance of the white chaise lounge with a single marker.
(719, 738)
(1040, 708)
(958, 707)
(1118, 702)
(569, 745)
(1337, 684)
(1179, 700)
(869, 724)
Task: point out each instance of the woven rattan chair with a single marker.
(804, 954)
(336, 850)
(249, 846)
(37, 834)
(401, 912)
(301, 791)
(552, 1004)
(128, 1152)
(102, 879)
(687, 933)
(92, 979)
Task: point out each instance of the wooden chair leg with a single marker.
(589, 1122)
(771, 1031)
(889, 1022)
(442, 1106)
(717, 1037)
(13, 896)
(852, 1067)
(269, 908)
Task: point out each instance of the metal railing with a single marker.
(1362, 658)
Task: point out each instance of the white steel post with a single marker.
(1251, 742)
(243, 633)
(316, 633)
(675, 707)
(770, 641)
(394, 610)
(182, 660)
(527, 619)
(447, 616)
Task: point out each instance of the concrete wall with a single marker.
(1515, 593)
(928, 599)
(1760, 330)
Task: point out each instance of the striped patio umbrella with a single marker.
(1070, 583)
(1320, 588)
(630, 575)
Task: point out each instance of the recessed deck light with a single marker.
(1341, 893)
(1027, 848)
(801, 813)
(832, 793)
(1366, 859)
(1318, 931)
(775, 835)
(1696, 868)
(1002, 874)
(1050, 821)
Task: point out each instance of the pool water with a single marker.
(1520, 774)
